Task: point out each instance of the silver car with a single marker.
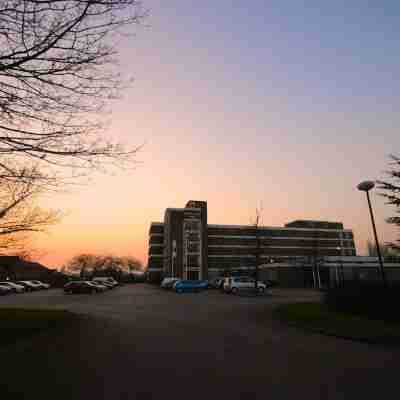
(42, 284)
(14, 287)
(169, 282)
(234, 284)
(99, 287)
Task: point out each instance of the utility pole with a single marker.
(377, 242)
(366, 186)
(257, 251)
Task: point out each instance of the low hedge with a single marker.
(371, 300)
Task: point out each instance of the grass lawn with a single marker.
(317, 317)
(34, 361)
(24, 324)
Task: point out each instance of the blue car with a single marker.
(190, 286)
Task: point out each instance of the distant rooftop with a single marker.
(300, 223)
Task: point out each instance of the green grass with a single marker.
(317, 317)
(34, 358)
(24, 324)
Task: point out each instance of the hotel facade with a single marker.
(186, 246)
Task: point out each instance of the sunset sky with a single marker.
(288, 104)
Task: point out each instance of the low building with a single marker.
(329, 271)
(186, 246)
(15, 268)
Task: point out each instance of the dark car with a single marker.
(79, 287)
(216, 283)
(5, 290)
(268, 283)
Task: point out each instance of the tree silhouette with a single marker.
(57, 70)
(391, 192)
(19, 215)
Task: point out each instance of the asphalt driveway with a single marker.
(140, 341)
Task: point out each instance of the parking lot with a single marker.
(140, 340)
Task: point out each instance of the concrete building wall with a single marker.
(228, 247)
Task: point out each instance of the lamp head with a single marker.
(366, 186)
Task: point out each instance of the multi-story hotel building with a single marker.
(186, 246)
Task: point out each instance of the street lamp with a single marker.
(366, 186)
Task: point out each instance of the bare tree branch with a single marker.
(19, 216)
(57, 71)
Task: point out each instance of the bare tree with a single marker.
(391, 191)
(83, 263)
(91, 264)
(57, 70)
(19, 215)
(131, 264)
(388, 253)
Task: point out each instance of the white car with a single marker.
(234, 284)
(30, 285)
(42, 284)
(168, 283)
(14, 287)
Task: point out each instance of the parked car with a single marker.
(42, 284)
(106, 284)
(100, 287)
(268, 283)
(168, 283)
(5, 290)
(182, 285)
(102, 279)
(79, 287)
(29, 285)
(16, 288)
(234, 284)
(216, 283)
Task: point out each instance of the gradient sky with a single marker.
(287, 104)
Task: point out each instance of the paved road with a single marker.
(142, 342)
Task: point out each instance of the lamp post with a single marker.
(257, 255)
(366, 186)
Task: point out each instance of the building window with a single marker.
(193, 247)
